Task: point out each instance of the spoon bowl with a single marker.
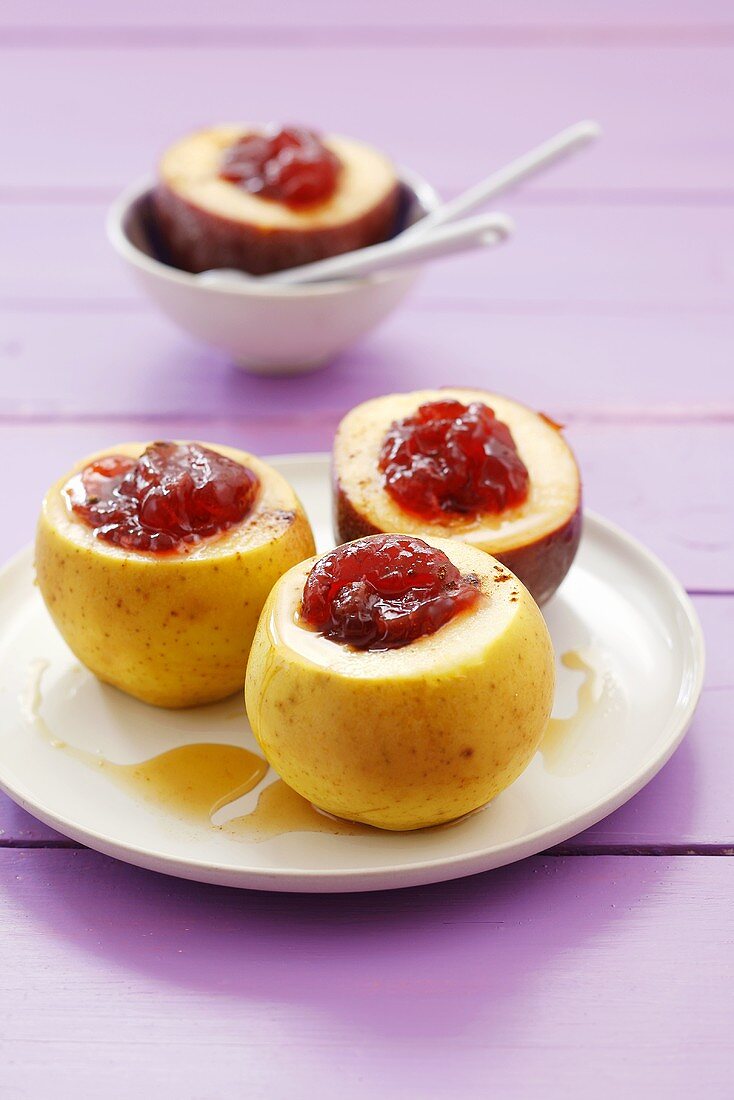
(265, 328)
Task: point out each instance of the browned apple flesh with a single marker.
(537, 540)
(205, 221)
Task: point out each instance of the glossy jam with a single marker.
(174, 494)
(292, 166)
(451, 460)
(384, 591)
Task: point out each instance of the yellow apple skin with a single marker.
(173, 630)
(405, 738)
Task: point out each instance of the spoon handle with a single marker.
(549, 152)
(482, 230)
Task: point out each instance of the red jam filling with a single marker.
(292, 166)
(384, 591)
(175, 493)
(450, 460)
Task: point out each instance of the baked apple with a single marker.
(400, 682)
(463, 464)
(155, 563)
(261, 201)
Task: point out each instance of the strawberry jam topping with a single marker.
(175, 493)
(384, 591)
(450, 460)
(291, 165)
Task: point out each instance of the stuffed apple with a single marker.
(462, 464)
(400, 682)
(155, 562)
(261, 200)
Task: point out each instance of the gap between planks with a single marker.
(662, 416)
(560, 851)
(406, 36)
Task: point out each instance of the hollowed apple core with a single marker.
(384, 591)
(291, 165)
(449, 460)
(175, 493)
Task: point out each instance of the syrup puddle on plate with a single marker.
(198, 781)
(281, 810)
(567, 746)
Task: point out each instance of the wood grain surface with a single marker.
(554, 977)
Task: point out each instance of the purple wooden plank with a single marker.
(111, 363)
(644, 476)
(568, 259)
(19, 829)
(116, 108)
(667, 486)
(627, 15)
(688, 804)
(554, 978)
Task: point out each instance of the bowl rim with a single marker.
(117, 235)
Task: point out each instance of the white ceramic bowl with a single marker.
(269, 330)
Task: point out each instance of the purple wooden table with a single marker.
(602, 969)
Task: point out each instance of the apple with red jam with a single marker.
(398, 681)
(264, 199)
(462, 464)
(155, 562)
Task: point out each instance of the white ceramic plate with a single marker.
(619, 606)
